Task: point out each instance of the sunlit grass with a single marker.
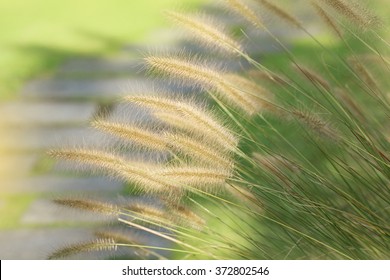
(310, 178)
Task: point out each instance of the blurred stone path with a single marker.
(54, 112)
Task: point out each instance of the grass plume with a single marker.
(134, 172)
(240, 8)
(196, 176)
(184, 216)
(139, 135)
(244, 195)
(317, 125)
(89, 246)
(89, 205)
(364, 74)
(274, 78)
(126, 240)
(312, 76)
(190, 70)
(259, 96)
(354, 13)
(327, 19)
(148, 212)
(200, 152)
(206, 31)
(280, 12)
(192, 117)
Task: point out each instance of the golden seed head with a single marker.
(197, 177)
(89, 205)
(257, 96)
(206, 154)
(206, 31)
(328, 20)
(189, 70)
(192, 118)
(317, 125)
(184, 216)
(95, 245)
(138, 173)
(281, 13)
(244, 195)
(240, 8)
(148, 212)
(312, 76)
(353, 12)
(138, 135)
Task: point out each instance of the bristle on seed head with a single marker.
(280, 12)
(95, 245)
(188, 116)
(89, 205)
(190, 70)
(139, 135)
(206, 31)
(240, 8)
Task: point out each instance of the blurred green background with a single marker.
(36, 35)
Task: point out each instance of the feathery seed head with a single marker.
(356, 14)
(276, 164)
(240, 8)
(244, 195)
(345, 99)
(188, 70)
(138, 135)
(183, 215)
(198, 151)
(189, 117)
(207, 78)
(98, 159)
(126, 239)
(281, 13)
(149, 212)
(118, 237)
(316, 124)
(206, 31)
(89, 205)
(174, 120)
(95, 245)
(236, 97)
(155, 103)
(134, 172)
(328, 20)
(363, 73)
(197, 177)
(271, 77)
(257, 95)
(199, 129)
(312, 76)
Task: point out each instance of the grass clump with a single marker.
(289, 159)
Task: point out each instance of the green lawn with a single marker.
(35, 35)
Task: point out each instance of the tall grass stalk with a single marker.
(288, 162)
